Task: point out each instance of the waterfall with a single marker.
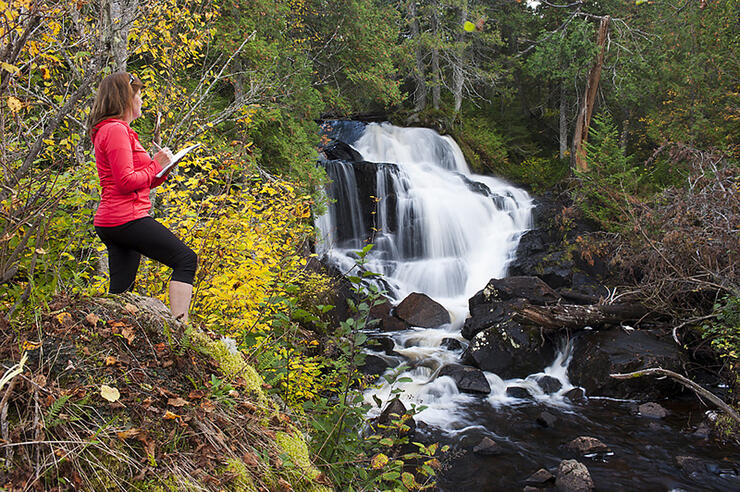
(436, 227)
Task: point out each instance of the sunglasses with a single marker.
(130, 79)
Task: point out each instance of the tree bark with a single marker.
(118, 15)
(420, 94)
(589, 97)
(572, 316)
(563, 126)
(436, 73)
(457, 69)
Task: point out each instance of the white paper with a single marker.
(176, 158)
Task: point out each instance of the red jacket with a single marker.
(126, 172)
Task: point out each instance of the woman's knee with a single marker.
(186, 263)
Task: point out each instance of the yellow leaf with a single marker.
(109, 393)
(379, 461)
(170, 416)
(10, 68)
(14, 104)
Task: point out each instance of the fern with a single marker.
(52, 417)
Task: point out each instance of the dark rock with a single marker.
(487, 447)
(573, 477)
(549, 384)
(341, 151)
(452, 344)
(576, 395)
(689, 464)
(391, 323)
(598, 354)
(703, 431)
(586, 445)
(652, 410)
(382, 310)
(586, 285)
(485, 315)
(546, 419)
(421, 310)
(510, 350)
(396, 411)
(375, 365)
(518, 392)
(384, 344)
(467, 379)
(540, 478)
(532, 289)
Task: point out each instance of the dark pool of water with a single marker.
(644, 449)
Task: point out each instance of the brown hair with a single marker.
(115, 96)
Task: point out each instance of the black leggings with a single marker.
(126, 243)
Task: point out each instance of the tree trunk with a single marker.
(457, 68)
(553, 318)
(436, 73)
(118, 15)
(420, 94)
(589, 97)
(563, 127)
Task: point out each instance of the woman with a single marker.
(127, 174)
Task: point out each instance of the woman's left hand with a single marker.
(163, 157)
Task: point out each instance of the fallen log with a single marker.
(577, 317)
(659, 371)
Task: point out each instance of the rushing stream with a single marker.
(440, 230)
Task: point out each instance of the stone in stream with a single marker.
(375, 365)
(532, 289)
(584, 445)
(597, 354)
(337, 150)
(451, 344)
(510, 350)
(385, 344)
(690, 465)
(518, 392)
(467, 379)
(573, 476)
(546, 419)
(652, 410)
(421, 310)
(487, 447)
(549, 384)
(391, 323)
(576, 395)
(540, 478)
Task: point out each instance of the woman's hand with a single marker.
(163, 157)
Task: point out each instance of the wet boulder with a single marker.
(341, 151)
(467, 379)
(652, 410)
(421, 310)
(375, 365)
(540, 478)
(518, 392)
(510, 350)
(598, 354)
(573, 477)
(532, 289)
(487, 447)
(452, 344)
(584, 445)
(484, 315)
(576, 395)
(549, 384)
(396, 411)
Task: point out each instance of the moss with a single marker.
(232, 364)
(295, 447)
(243, 480)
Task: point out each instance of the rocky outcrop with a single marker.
(584, 445)
(421, 310)
(601, 353)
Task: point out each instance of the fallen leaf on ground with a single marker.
(92, 319)
(250, 460)
(128, 334)
(196, 394)
(109, 393)
(128, 434)
(110, 360)
(131, 308)
(170, 416)
(28, 346)
(177, 402)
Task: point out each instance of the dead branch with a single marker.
(686, 382)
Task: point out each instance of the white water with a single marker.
(448, 242)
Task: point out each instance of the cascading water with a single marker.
(437, 229)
